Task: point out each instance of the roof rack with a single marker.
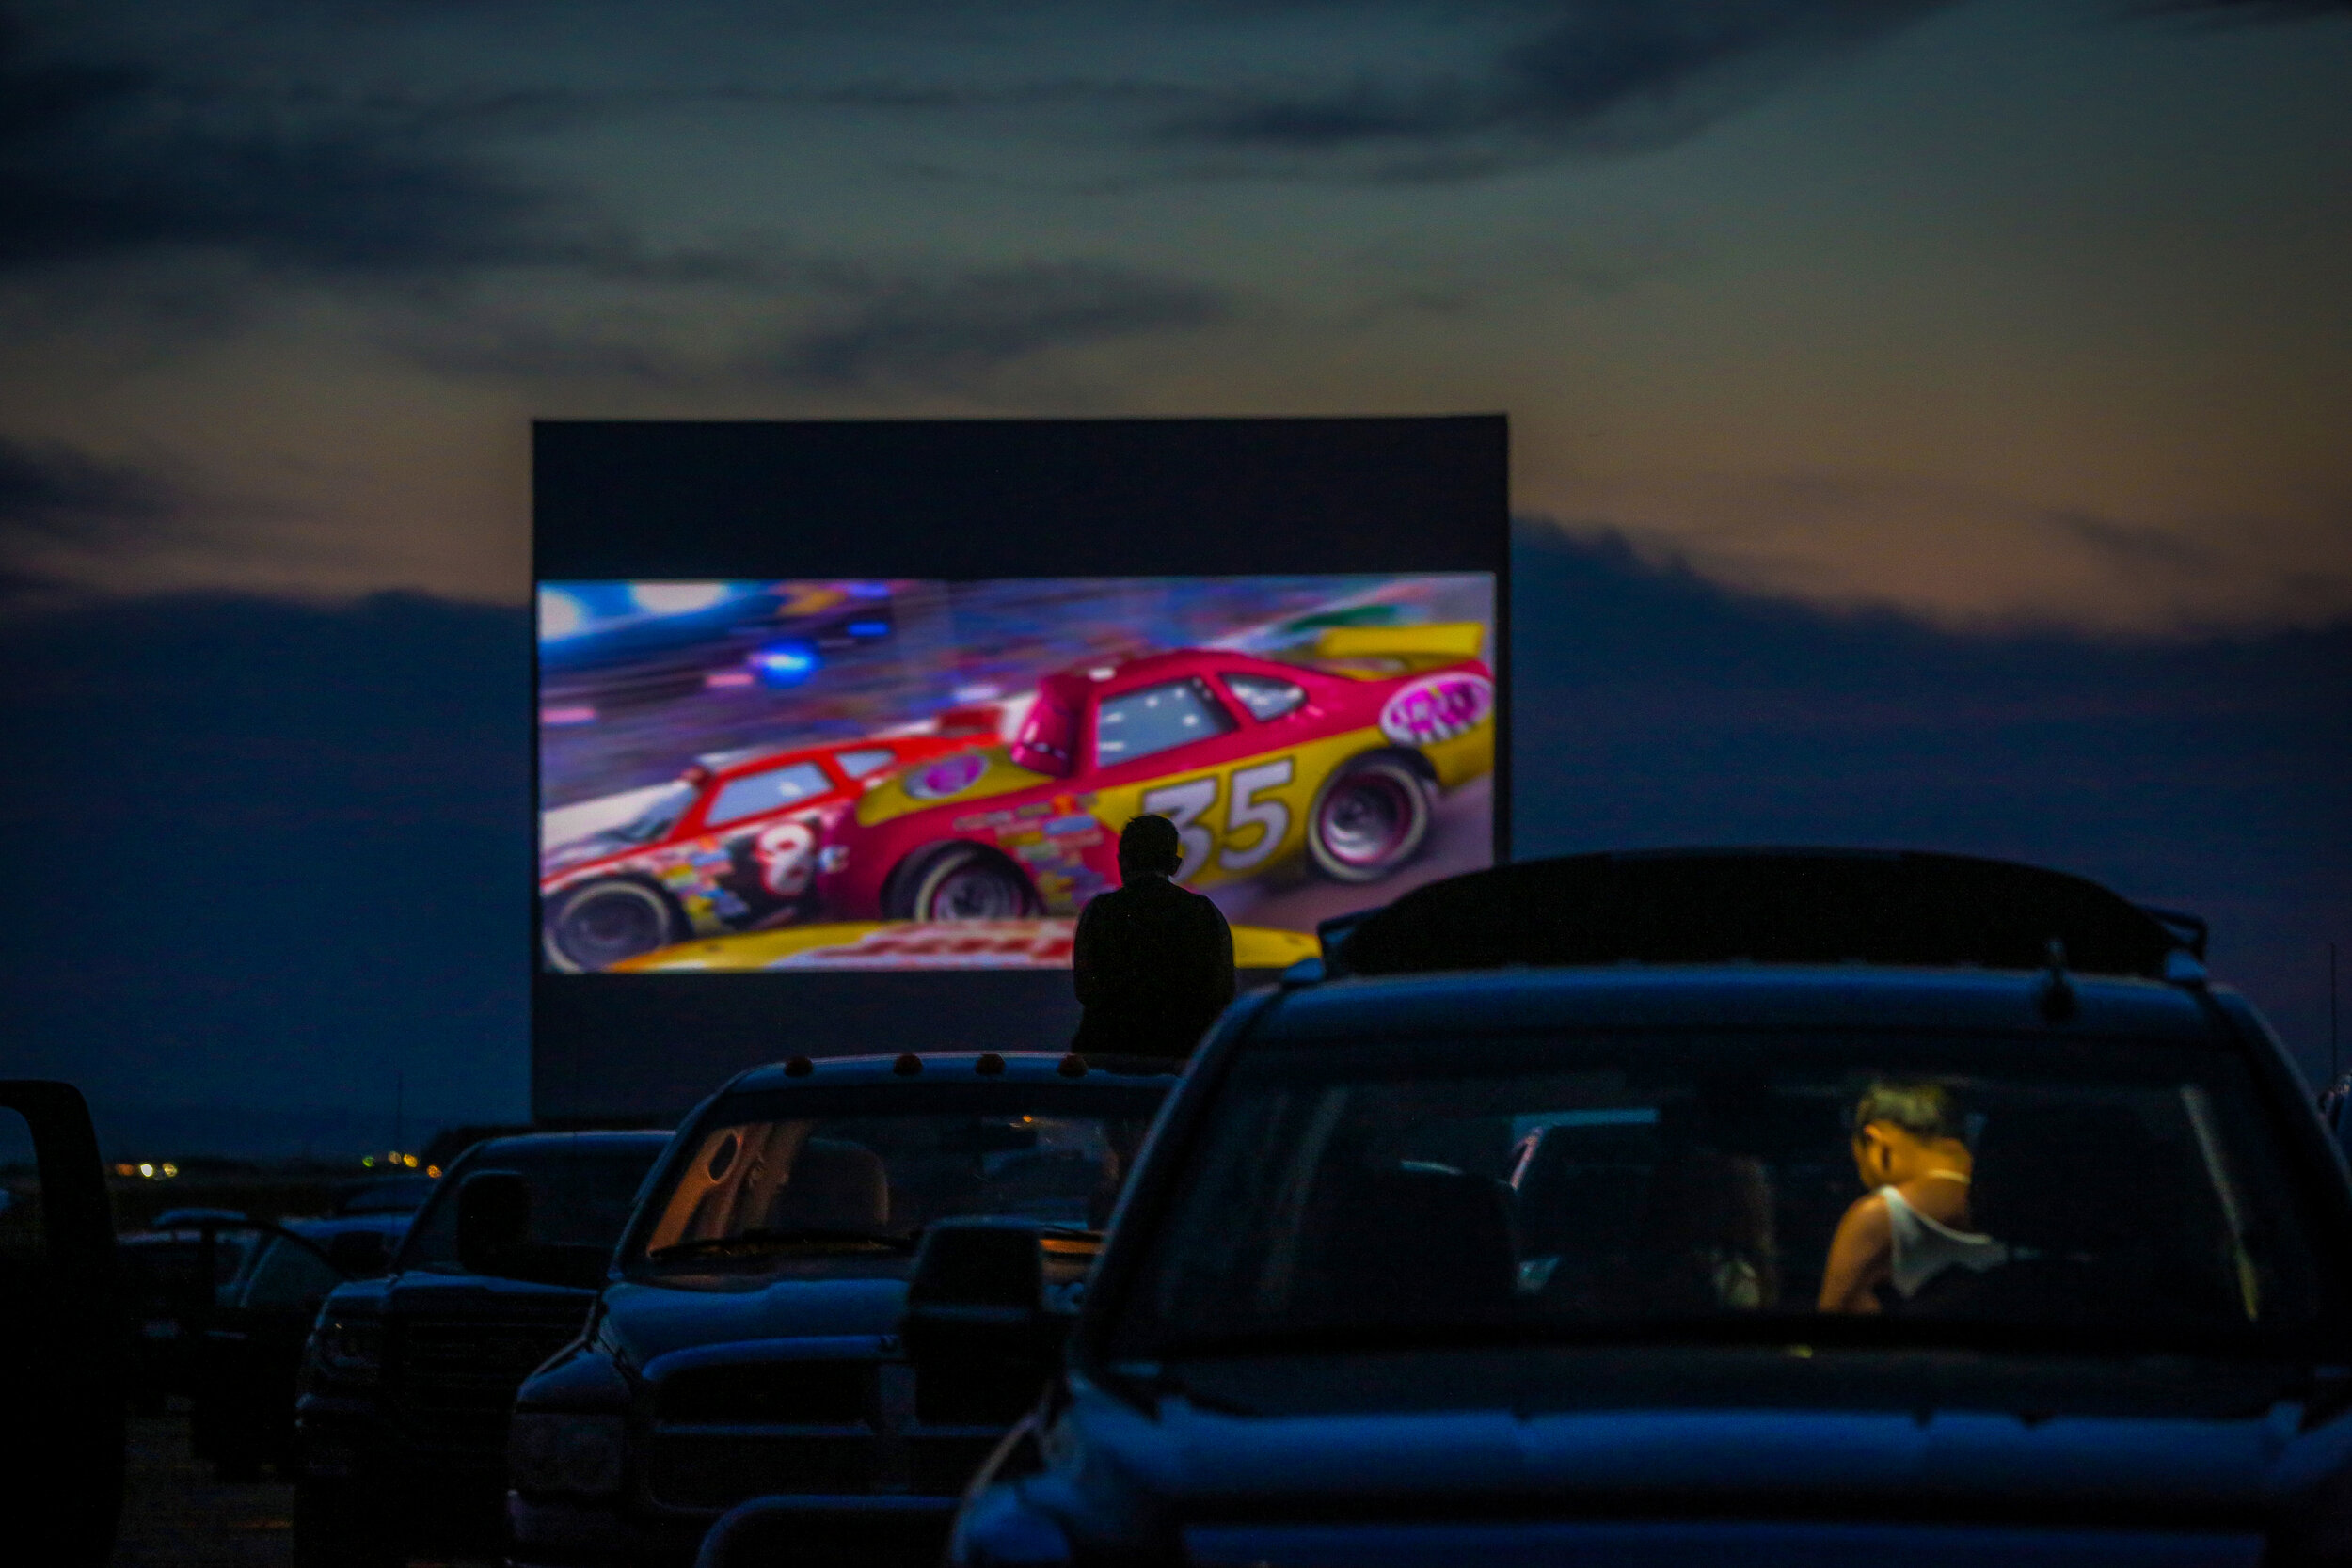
(1793, 906)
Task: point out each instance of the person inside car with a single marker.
(1913, 1223)
(1153, 962)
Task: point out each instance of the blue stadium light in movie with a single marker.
(561, 616)
(786, 663)
(678, 598)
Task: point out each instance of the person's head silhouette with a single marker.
(1149, 847)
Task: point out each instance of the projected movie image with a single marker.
(904, 774)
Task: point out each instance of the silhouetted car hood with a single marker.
(464, 1295)
(651, 1321)
(1267, 1447)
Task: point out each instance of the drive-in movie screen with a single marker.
(889, 774)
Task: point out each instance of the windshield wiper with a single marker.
(792, 1236)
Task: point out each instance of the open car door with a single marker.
(61, 1373)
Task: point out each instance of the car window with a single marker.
(1265, 696)
(1145, 722)
(399, 1195)
(288, 1274)
(659, 814)
(761, 1188)
(865, 760)
(1575, 1186)
(581, 1196)
(773, 790)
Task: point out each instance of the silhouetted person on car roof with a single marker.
(1154, 961)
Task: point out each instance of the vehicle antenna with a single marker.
(400, 1108)
(2335, 1066)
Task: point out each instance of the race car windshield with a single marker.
(1730, 1186)
(755, 1191)
(657, 816)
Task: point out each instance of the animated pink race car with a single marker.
(720, 849)
(1258, 762)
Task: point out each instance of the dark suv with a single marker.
(1526, 1237)
(407, 1379)
(747, 1343)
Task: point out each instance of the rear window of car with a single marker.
(1685, 1184)
(1265, 696)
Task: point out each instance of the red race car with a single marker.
(720, 849)
(1258, 762)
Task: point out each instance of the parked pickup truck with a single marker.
(407, 1379)
(747, 1342)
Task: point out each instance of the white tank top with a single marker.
(1925, 1247)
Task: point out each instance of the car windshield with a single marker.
(771, 1182)
(397, 1194)
(580, 1195)
(1722, 1186)
(656, 817)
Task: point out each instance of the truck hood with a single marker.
(2166, 1447)
(652, 1320)
(461, 1296)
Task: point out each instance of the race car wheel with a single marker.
(1370, 818)
(597, 925)
(964, 881)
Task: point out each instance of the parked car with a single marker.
(362, 1229)
(1508, 1242)
(730, 844)
(1259, 763)
(243, 1345)
(166, 1282)
(746, 1343)
(407, 1379)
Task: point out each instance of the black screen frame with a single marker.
(957, 500)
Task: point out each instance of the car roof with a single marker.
(1732, 996)
(606, 1137)
(1017, 1066)
(1142, 670)
(1764, 905)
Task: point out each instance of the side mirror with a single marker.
(988, 1309)
(493, 1221)
(360, 1254)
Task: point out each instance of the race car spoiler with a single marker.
(1905, 907)
(1405, 647)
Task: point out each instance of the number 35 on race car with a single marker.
(1186, 803)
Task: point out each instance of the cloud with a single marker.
(899, 332)
(1606, 76)
(2252, 10)
(848, 327)
(53, 494)
(1974, 557)
(100, 159)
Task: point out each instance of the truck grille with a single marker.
(709, 1469)
(805, 1393)
(456, 1381)
(722, 1434)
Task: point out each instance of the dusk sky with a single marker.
(2012, 320)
